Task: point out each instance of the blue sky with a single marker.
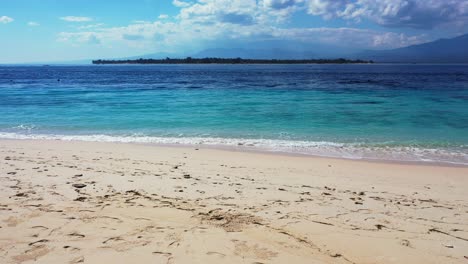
(59, 30)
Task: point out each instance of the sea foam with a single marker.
(457, 155)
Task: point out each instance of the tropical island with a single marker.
(190, 60)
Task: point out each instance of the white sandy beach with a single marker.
(84, 202)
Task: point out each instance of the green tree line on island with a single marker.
(190, 60)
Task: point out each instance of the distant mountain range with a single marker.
(273, 53)
(275, 49)
(453, 50)
(231, 53)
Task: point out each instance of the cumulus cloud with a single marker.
(33, 24)
(280, 10)
(91, 26)
(424, 14)
(327, 9)
(363, 38)
(163, 16)
(76, 19)
(138, 34)
(395, 40)
(180, 3)
(207, 21)
(6, 19)
(171, 37)
(215, 10)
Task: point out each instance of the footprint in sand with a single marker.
(253, 251)
(72, 249)
(79, 259)
(211, 253)
(75, 234)
(32, 254)
(12, 221)
(167, 254)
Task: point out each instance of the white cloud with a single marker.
(33, 24)
(209, 21)
(6, 19)
(243, 12)
(171, 37)
(76, 19)
(349, 37)
(180, 3)
(97, 25)
(325, 8)
(163, 16)
(423, 14)
(395, 40)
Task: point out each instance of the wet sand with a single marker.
(83, 202)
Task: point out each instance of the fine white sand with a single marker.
(72, 202)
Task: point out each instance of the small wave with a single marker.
(385, 152)
(27, 128)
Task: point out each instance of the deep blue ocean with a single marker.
(390, 112)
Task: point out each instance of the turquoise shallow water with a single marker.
(392, 112)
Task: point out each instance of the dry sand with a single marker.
(72, 202)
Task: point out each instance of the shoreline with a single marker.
(75, 201)
(291, 154)
(259, 150)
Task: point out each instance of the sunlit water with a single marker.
(390, 112)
